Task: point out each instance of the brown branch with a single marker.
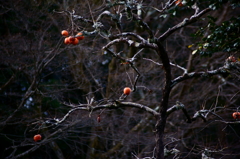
(184, 23)
(179, 106)
(172, 64)
(225, 70)
(125, 34)
(11, 79)
(144, 25)
(91, 108)
(113, 105)
(167, 6)
(40, 65)
(31, 90)
(199, 114)
(228, 122)
(142, 44)
(130, 63)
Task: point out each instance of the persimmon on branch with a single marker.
(203, 113)
(224, 70)
(46, 140)
(142, 44)
(130, 62)
(118, 104)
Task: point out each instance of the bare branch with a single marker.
(11, 79)
(172, 64)
(228, 122)
(185, 22)
(179, 106)
(125, 34)
(113, 105)
(220, 71)
(142, 44)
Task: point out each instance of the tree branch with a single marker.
(179, 106)
(184, 23)
(142, 44)
(220, 71)
(113, 105)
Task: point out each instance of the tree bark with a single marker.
(161, 119)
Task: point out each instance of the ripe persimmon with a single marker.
(127, 90)
(75, 41)
(79, 36)
(67, 40)
(236, 115)
(71, 39)
(37, 137)
(179, 3)
(64, 33)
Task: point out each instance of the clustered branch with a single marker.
(184, 23)
(225, 70)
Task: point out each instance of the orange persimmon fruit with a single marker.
(71, 39)
(67, 40)
(37, 137)
(79, 36)
(64, 33)
(179, 3)
(236, 115)
(75, 41)
(127, 90)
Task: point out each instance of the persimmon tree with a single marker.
(179, 60)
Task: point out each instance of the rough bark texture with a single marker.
(161, 120)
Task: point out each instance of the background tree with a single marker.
(180, 58)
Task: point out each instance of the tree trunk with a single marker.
(160, 126)
(159, 139)
(161, 119)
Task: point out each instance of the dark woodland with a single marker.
(128, 79)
